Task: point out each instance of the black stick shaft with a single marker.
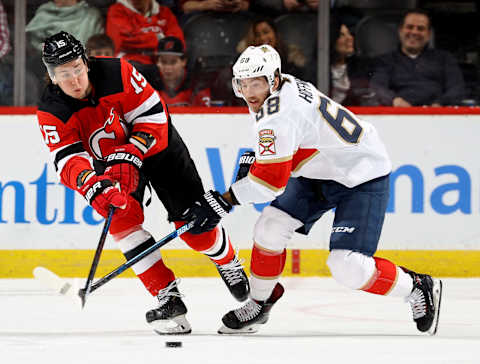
(96, 259)
(140, 256)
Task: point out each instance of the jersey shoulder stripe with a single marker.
(74, 148)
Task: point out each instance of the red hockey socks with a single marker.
(215, 244)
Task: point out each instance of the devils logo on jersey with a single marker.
(113, 128)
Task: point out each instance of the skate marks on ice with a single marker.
(316, 321)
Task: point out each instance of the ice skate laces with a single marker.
(164, 294)
(417, 302)
(232, 272)
(248, 312)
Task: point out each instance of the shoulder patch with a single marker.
(266, 142)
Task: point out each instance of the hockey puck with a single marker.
(173, 344)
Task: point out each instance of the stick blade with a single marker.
(60, 286)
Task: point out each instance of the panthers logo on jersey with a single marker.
(266, 142)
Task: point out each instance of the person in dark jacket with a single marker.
(416, 75)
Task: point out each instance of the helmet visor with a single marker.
(253, 86)
(67, 71)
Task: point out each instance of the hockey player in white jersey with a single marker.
(311, 155)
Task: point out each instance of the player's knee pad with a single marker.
(274, 229)
(136, 242)
(351, 269)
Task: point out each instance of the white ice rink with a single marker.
(316, 321)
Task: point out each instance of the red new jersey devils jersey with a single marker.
(122, 102)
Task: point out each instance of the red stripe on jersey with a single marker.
(302, 155)
(384, 278)
(72, 169)
(275, 175)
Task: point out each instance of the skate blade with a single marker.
(175, 326)
(437, 300)
(224, 330)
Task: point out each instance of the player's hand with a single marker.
(123, 165)
(207, 212)
(244, 164)
(100, 193)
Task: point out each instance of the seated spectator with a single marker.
(349, 74)
(72, 16)
(415, 74)
(230, 6)
(278, 7)
(137, 26)
(264, 31)
(170, 77)
(6, 88)
(100, 45)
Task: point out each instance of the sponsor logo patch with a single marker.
(266, 142)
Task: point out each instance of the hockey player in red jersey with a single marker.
(103, 124)
(312, 155)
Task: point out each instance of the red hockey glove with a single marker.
(123, 165)
(100, 193)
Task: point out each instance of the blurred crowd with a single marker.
(411, 54)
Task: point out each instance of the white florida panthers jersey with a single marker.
(301, 132)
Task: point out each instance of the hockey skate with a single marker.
(425, 301)
(169, 318)
(235, 278)
(248, 318)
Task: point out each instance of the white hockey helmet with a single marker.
(259, 61)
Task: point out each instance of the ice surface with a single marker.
(316, 321)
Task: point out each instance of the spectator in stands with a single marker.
(6, 87)
(284, 6)
(264, 31)
(137, 26)
(72, 16)
(100, 45)
(170, 76)
(415, 74)
(349, 74)
(230, 6)
(4, 33)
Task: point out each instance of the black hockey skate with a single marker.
(169, 318)
(248, 318)
(235, 278)
(425, 301)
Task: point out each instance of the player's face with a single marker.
(102, 52)
(344, 44)
(171, 67)
(414, 34)
(264, 34)
(255, 90)
(72, 78)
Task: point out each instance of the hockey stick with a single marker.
(182, 229)
(83, 293)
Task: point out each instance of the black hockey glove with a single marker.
(244, 164)
(207, 212)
